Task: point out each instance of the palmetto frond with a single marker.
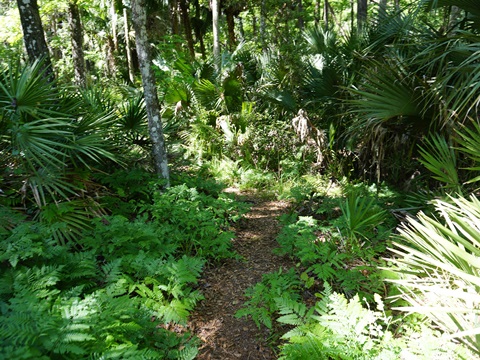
(439, 266)
(45, 137)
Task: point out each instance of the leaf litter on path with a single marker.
(224, 337)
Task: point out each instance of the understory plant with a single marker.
(58, 301)
(438, 267)
(338, 328)
(321, 254)
(116, 290)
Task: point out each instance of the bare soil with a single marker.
(223, 336)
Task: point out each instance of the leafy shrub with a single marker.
(106, 299)
(438, 267)
(264, 296)
(360, 216)
(322, 257)
(337, 328)
(128, 190)
(200, 223)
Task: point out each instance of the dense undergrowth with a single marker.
(113, 292)
(373, 136)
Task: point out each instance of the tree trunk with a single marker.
(187, 27)
(114, 21)
(232, 41)
(77, 44)
(316, 12)
(361, 14)
(301, 21)
(131, 74)
(216, 33)
(174, 18)
(326, 6)
(111, 63)
(240, 29)
(263, 25)
(198, 28)
(155, 127)
(33, 35)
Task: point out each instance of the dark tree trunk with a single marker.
(326, 6)
(301, 21)
(361, 14)
(77, 44)
(111, 63)
(232, 41)
(33, 35)
(199, 27)
(174, 16)
(187, 27)
(155, 127)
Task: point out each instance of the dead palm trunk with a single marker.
(155, 127)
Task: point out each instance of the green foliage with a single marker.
(266, 297)
(344, 329)
(322, 258)
(438, 267)
(128, 190)
(439, 158)
(114, 291)
(360, 217)
(200, 223)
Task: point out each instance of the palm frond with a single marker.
(440, 159)
(439, 267)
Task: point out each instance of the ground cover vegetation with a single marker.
(364, 117)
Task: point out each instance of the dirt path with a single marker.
(223, 336)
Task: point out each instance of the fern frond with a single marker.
(293, 312)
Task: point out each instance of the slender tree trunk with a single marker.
(187, 27)
(198, 28)
(263, 24)
(316, 12)
(240, 29)
(77, 44)
(114, 21)
(111, 63)
(301, 21)
(33, 35)
(128, 50)
(174, 18)
(361, 14)
(326, 7)
(155, 127)
(216, 33)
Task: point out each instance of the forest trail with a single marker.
(223, 336)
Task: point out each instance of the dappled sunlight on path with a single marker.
(223, 336)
